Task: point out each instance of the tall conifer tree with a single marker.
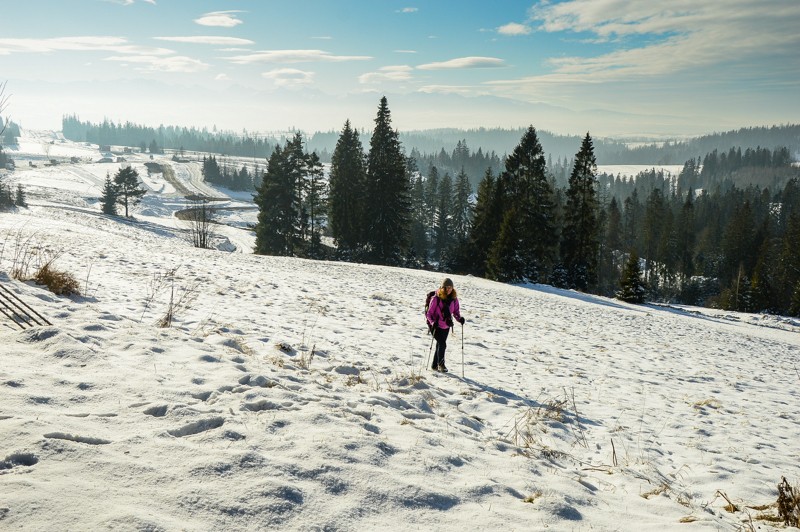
(529, 194)
(388, 202)
(580, 237)
(347, 191)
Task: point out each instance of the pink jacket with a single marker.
(435, 313)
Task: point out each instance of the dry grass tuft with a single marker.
(59, 282)
(789, 503)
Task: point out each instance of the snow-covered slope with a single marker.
(294, 394)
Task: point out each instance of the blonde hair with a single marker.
(442, 293)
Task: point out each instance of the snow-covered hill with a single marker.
(294, 394)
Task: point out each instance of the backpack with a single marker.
(428, 301)
(445, 311)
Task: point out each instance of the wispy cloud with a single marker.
(387, 73)
(689, 35)
(222, 19)
(209, 39)
(77, 44)
(405, 51)
(448, 89)
(513, 28)
(289, 77)
(323, 38)
(408, 10)
(293, 56)
(221, 77)
(464, 63)
(151, 63)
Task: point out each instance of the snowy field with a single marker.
(293, 394)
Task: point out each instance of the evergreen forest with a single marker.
(725, 232)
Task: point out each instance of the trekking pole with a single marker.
(462, 350)
(430, 349)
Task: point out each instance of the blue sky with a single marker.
(611, 67)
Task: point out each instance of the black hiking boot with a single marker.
(442, 368)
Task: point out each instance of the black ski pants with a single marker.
(441, 345)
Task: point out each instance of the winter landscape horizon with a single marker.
(293, 394)
(195, 379)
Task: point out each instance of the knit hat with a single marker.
(447, 282)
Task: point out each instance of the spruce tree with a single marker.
(274, 228)
(528, 192)
(128, 192)
(632, 287)
(444, 219)
(20, 201)
(347, 189)
(419, 228)
(486, 223)
(462, 210)
(316, 201)
(580, 241)
(388, 202)
(108, 200)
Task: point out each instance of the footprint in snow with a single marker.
(197, 427)
(77, 439)
(18, 459)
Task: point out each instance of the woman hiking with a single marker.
(444, 307)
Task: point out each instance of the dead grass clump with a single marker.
(532, 497)
(59, 282)
(789, 503)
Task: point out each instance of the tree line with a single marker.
(655, 237)
(166, 137)
(227, 176)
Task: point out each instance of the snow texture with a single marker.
(293, 394)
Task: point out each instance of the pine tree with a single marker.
(419, 229)
(462, 210)
(20, 201)
(581, 238)
(295, 168)
(347, 184)
(611, 247)
(444, 219)
(487, 221)
(388, 203)
(274, 228)
(505, 263)
(431, 198)
(632, 287)
(528, 192)
(108, 200)
(128, 192)
(316, 202)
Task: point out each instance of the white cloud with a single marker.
(323, 38)
(150, 63)
(513, 28)
(221, 77)
(690, 34)
(447, 89)
(223, 19)
(209, 39)
(293, 56)
(77, 44)
(405, 51)
(408, 10)
(464, 63)
(387, 73)
(289, 77)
